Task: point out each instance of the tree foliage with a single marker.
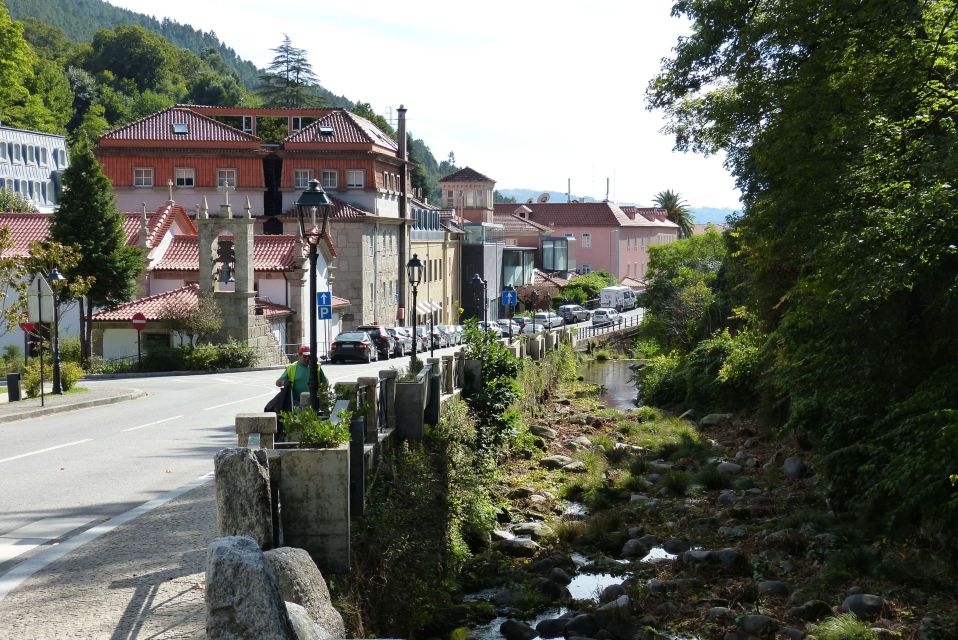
(838, 121)
(677, 210)
(289, 79)
(197, 322)
(14, 202)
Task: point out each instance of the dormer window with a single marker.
(326, 131)
(181, 128)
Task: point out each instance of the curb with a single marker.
(165, 374)
(37, 412)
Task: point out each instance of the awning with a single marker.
(423, 308)
(436, 306)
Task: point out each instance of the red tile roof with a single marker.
(341, 210)
(581, 214)
(157, 223)
(540, 278)
(635, 284)
(347, 128)
(158, 127)
(270, 253)
(339, 303)
(466, 174)
(516, 225)
(156, 307)
(25, 229)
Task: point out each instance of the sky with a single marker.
(531, 93)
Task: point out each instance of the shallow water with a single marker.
(490, 630)
(588, 586)
(617, 379)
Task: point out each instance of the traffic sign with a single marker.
(28, 326)
(509, 297)
(39, 300)
(139, 321)
(324, 313)
(324, 299)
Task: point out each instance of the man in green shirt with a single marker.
(297, 375)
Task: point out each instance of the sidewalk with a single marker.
(30, 407)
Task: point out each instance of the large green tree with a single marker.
(677, 210)
(19, 105)
(289, 80)
(839, 121)
(88, 219)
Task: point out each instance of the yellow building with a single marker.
(435, 238)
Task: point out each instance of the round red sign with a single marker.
(139, 321)
(28, 326)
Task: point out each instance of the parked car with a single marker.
(531, 328)
(423, 334)
(602, 317)
(573, 313)
(440, 338)
(504, 325)
(402, 340)
(521, 320)
(460, 333)
(353, 345)
(549, 319)
(452, 338)
(491, 327)
(380, 337)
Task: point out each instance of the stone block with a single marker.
(300, 581)
(261, 423)
(243, 506)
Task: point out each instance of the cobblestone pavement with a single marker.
(144, 579)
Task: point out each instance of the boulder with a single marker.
(521, 492)
(577, 466)
(773, 588)
(301, 582)
(676, 546)
(795, 468)
(515, 630)
(864, 605)
(536, 530)
(634, 549)
(555, 462)
(552, 628)
(543, 432)
(721, 615)
(242, 597)
(715, 420)
(729, 467)
(612, 592)
(811, 611)
(733, 533)
(517, 547)
(559, 576)
(243, 495)
(304, 627)
(758, 625)
(583, 624)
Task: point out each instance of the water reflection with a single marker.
(617, 379)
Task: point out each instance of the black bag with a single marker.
(282, 401)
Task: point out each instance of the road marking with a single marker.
(19, 574)
(226, 404)
(19, 541)
(33, 453)
(150, 424)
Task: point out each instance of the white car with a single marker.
(530, 328)
(504, 325)
(549, 319)
(602, 317)
(491, 327)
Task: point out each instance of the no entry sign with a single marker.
(139, 321)
(28, 326)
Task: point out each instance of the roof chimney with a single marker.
(401, 132)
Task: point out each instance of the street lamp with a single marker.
(414, 275)
(480, 285)
(55, 279)
(512, 306)
(311, 200)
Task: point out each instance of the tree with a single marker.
(19, 107)
(677, 210)
(88, 218)
(13, 202)
(197, 322)
(289, 79)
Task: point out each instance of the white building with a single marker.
(31, 164)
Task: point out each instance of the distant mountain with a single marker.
(714, 215)
(523, 195)
(81, 19)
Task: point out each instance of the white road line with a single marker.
(33, 453)
(19, 541)
(226, 404)
(16, 576)
(150, 424)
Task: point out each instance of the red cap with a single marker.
(304, 350)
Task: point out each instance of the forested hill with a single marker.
(81, 19)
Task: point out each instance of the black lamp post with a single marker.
(54, 279)
(533, 296)
(311, 200)
(414, 275)
(480, 285)
(512, 297)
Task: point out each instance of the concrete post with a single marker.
(387, 377)
(460, 369)
(262, 423)
(371, 410)
(435, 391)
(448, 374)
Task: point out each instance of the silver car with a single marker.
(549, 319)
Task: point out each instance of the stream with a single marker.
(617, 380)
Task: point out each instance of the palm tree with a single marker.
(677, 210)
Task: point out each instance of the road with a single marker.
(65, 473)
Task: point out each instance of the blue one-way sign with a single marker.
(509, 297)
(324, 299)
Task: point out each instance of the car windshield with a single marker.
(353, 335)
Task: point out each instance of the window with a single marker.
(248, 124)
(180, 128)
(17, 153)
(51, 193)
(450, 199)
(142, 176)
(29, 159)
(584, 269)
(184, 177)
(355, 179)
(586, 241)
(330, 179)
(226, 175)
(297, 123)
(43, 156)
(302, 178)
(470, 198)
(3, 151)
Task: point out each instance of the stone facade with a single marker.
(367, 272)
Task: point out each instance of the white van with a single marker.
(617, 297)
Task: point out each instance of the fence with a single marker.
(624, 323)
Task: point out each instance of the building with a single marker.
(435, 238)
(200, 151)
(607, 237)
(31, 164)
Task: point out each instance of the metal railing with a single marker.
(623, 323)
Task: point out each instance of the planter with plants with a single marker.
(411, 402)
(314, 487)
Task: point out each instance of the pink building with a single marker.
(607, 236)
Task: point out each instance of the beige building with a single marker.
(435, 238)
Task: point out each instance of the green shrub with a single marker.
(165, 359)
(660, 380)
(234, 355)
(711, 478)
(315, 431)
(677, 483)
(844, 627)
(30, 381)
(201, 358)
(70, 373)
(646, 414)
(70, 350)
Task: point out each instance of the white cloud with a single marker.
(531, 93)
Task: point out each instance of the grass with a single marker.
(73, 390)
(844, 627)
(712, 479)
(677, 483)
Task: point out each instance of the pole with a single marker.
(432, 345)
(313, 362)
(415, 329)
(40, 333)
(485, 304)
(57, 380)
(139, 352)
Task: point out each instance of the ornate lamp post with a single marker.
(480, 285)
(55, 279)
(312, 201)
(533, 297)
(414, 275)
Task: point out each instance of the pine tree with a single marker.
(88, 218)
(289, 80)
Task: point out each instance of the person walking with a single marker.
(295, 382)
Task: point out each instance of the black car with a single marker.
(380, 337)
(353, 345)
